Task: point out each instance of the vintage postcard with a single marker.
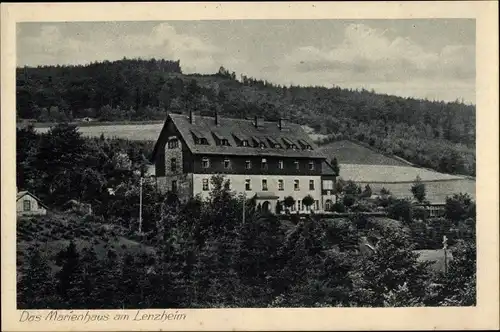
(250, 166)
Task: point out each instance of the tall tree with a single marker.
(418, 190)
(70, 284)
(36, 286)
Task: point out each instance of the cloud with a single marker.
(368, 54)
(363, 57)
(50, 46)
(368, 57)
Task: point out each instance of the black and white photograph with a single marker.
(245, 163)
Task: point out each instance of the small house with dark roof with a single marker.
(28, 204)
(265, 160)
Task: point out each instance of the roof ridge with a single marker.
(230, 118)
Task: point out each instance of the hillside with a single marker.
(52, 233)
(437, 135)
(348, 152)
(366, 166)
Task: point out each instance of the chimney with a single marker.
(256, 122)
(216, 116)
(191, 117)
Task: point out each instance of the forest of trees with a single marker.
(432, 134)
(204, 255)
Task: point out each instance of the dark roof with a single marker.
(21, 194)
(266, 195)
(326, 168)
(228, 128)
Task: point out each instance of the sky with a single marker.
(424, 58)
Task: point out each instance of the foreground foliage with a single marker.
(201, 254)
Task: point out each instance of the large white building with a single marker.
(264, 160)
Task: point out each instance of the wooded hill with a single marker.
(437, 135)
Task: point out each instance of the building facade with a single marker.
(264, 160)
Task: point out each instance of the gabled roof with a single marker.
(240, 136)
(229, 128)
(21, 194)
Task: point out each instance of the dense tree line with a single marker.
(433, 134)
(206, 256)
(62, 165)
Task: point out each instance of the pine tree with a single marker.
(36, 286)
(107, 293)
(387, 269)
(70, 279)
(335, 166)
(418, 190)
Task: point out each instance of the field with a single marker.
(134, 132)
(399, 179)
(348, 152)
(365, 166)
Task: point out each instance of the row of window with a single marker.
(173, 143)
(205, 163)
(255, 142)
(264, 186)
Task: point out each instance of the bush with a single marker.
(420, 213)
(363, 206)
(88, 218)
(348, 200)
(338, 207)
(401, 209)
(460, 207)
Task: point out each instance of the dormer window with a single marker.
(202, 141)
(297, 165)
(199, 138)
(274, 143)
(240, 139)
(220, 139)
(256, 142)
(227, 163)
(311, 165)
(305, 145)
(289, 144)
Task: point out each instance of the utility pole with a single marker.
(445, 246)
(244, 203)
(140, 205)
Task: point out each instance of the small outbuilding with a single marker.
(28, 204)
